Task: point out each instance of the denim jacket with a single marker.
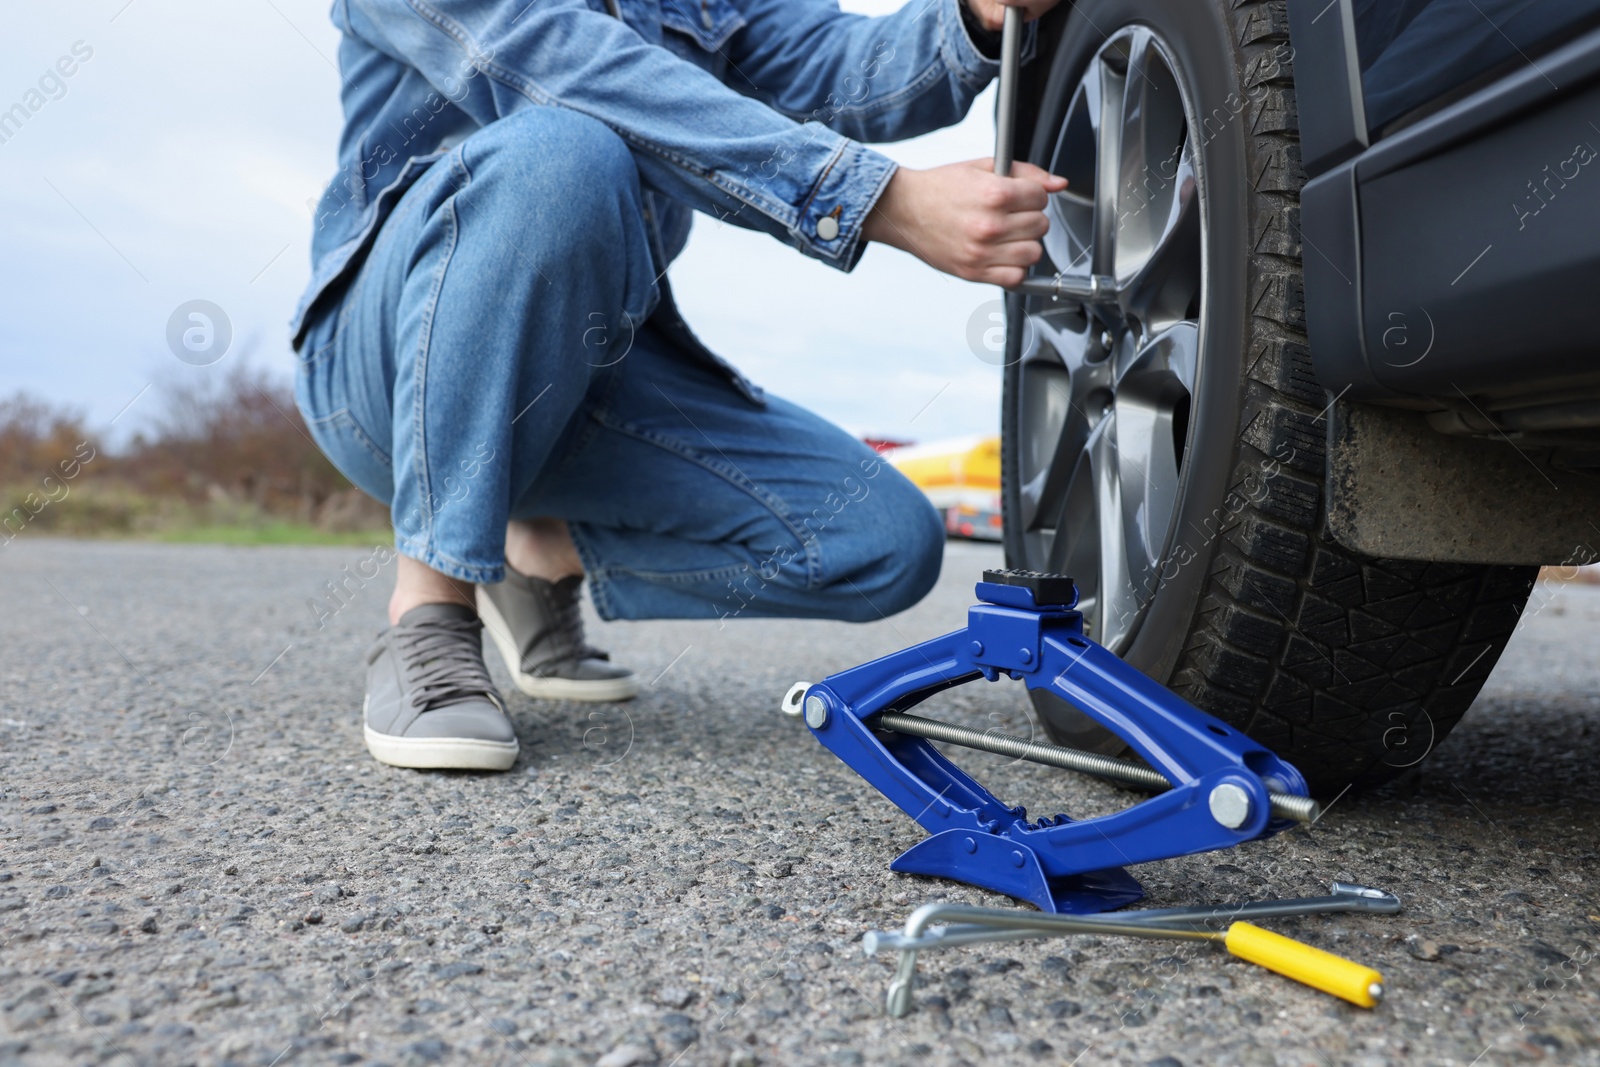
(749, 110)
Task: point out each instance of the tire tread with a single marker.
(1362, 640)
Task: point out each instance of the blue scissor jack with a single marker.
(1221, 787)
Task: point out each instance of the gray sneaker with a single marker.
(538, 628)
(430, 700)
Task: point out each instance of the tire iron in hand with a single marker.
(1096, 288)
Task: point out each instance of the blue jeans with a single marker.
(506, 352)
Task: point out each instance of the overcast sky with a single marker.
(176, 161)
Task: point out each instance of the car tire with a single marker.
(1350, 667)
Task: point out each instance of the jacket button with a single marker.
(827, 227)
(705, 17)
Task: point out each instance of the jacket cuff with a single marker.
(830, 222)
(965, 56)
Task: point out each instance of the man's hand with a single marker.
(964, 220)
(992, 13)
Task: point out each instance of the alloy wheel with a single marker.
(1105, 387)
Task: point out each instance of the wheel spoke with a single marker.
(1088, 539)
(1150, 150)
(1119, 608)
(1166, 359)
(1071, 213)
(1163, 289)
(1065, 335)
(1053, 373)
(1045, 404)
(1110, 84)
(1151, 392)
(1076, 547)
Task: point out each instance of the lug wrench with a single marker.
(1350, 981)
(1098, 288)
(1346, 897)
(1005, 123)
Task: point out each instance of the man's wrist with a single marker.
(878, 227)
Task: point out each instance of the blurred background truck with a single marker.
(961, 477)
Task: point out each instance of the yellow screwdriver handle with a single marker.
(1344, 978)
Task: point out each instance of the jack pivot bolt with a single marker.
(1230, 805)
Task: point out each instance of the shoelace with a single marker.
(443, 660)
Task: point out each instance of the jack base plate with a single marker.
(1003, 866)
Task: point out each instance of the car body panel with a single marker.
(1455, 257)
(1413, 53)
(1449, 265)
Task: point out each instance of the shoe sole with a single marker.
(604, 690)
(440, 753)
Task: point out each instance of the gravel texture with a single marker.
(200, 864)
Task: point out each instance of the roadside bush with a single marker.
(223, 451)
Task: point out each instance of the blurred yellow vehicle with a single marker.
(962, 480)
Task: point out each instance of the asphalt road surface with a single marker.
(199, 863)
